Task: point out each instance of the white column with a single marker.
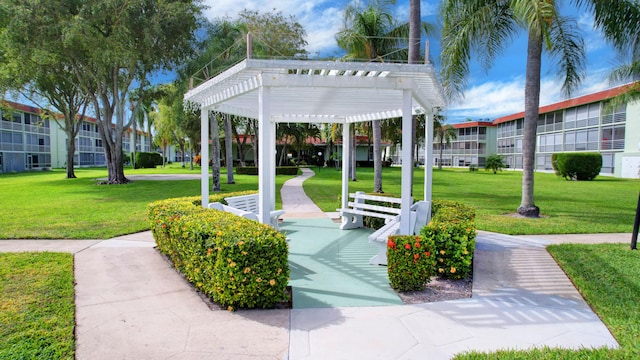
(346, 160)
(407, 162)
(265, 153)
(272, 167)
(428, 155)
(204, 155)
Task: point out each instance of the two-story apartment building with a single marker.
(29, 142)
(589, 123)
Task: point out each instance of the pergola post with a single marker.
(346, 160)
(265, 153)
(204, 155)
(428, 155)
(407, 162)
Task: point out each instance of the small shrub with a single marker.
(453, 232)
(147, 160)
(577, 166)
(410, 262)
(473, 167)
(494, 163)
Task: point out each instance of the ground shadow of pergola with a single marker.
(302, 91)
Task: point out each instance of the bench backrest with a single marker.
(420, 215)
(244, 202)
(233, 210)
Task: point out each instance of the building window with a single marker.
(612, 138)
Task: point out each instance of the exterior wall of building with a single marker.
(25, 141)
(28, 142)
(474, 143)
(627, 163)
(580, 127)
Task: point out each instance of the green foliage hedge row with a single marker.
(444, 247)
(280, 170)
(577, 166)
(238, 263)
(148, 160)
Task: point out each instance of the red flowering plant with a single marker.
(410, 262)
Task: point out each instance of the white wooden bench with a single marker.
(420, 215)
(245, 214)
(356, 209)
(249, 203)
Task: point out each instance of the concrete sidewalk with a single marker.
(131, 304)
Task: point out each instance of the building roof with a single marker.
(469, 124)
(320, 91)
(581, 100)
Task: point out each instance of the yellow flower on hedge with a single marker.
(230, 308)
(442, 252)
(279, 271)
(240, 243)
(440, 270)
(259, 280)
(272, 282)
(453, 270)
(232, 264)
(441, 260)
(244, 253)
(219, 233)
(247, 270)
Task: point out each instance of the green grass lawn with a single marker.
(568, 207)
(36, 306)
(607, 277)
(46, 205)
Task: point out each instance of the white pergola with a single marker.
(274, 91)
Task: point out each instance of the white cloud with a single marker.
(493, 99)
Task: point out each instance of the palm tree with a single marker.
(443, 134)
(414, 31)
(371, 33)
(486, 26)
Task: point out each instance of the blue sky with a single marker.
(489, 94)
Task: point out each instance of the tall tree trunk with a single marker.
(354, 153)
(215, 151)
(441, 149)
(377, 156)
(228, 145)
(255, 142)
(531, 104)
(414, 31)
(71, 149)
(134, 149)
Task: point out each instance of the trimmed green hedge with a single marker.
(280, 170)
(453, 231)
(238, 263)
(577, 166)
(148, 160)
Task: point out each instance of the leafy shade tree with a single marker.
(443, 134)
(484, 27)
(274, 34)
(494, 163)
(42, 77)
(111, 46)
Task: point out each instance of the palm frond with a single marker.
(480, 26)
(567, 46)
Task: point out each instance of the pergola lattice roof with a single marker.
(320, 91)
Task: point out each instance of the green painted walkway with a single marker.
(330, 267)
